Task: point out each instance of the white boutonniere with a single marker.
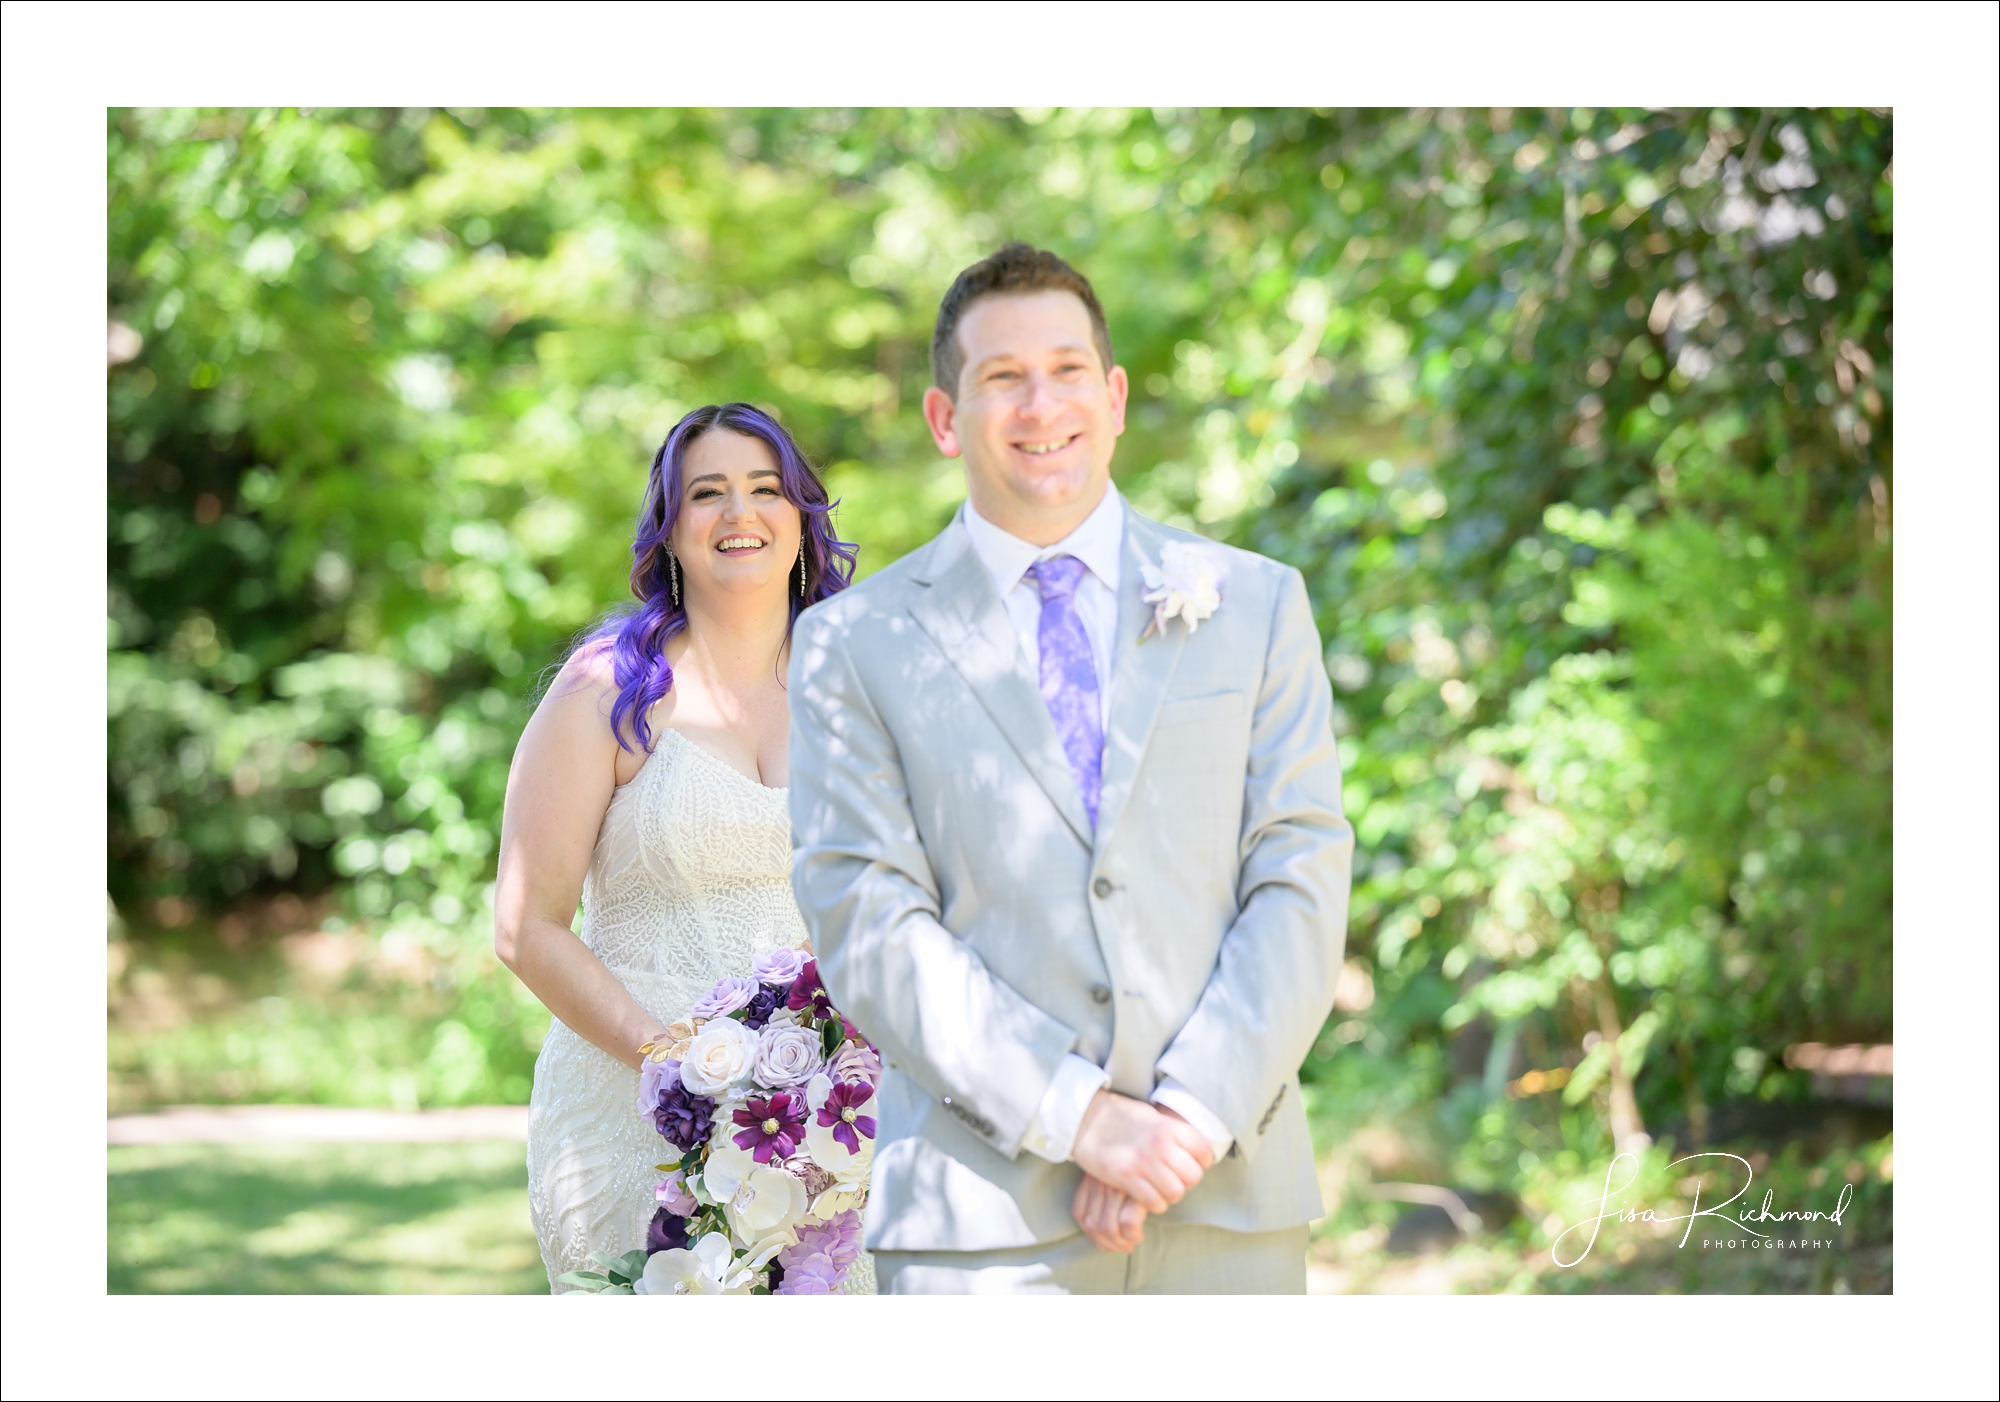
(1187, 584)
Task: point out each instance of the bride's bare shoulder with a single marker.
(585, 691)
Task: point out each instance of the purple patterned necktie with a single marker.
(1069, 674)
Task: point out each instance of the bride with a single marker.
(650, 783)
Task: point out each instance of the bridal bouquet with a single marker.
(767, 1096)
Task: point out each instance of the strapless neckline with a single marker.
(720, 763)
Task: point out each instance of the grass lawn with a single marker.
(328, 1219)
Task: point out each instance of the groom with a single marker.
(1077, 867)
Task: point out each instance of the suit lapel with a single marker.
(1139, 674)
(965, 618)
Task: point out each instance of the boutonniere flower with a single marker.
(1187, 584)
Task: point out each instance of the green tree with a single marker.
(1578, 423)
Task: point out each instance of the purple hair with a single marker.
(636, 637)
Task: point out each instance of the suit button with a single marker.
(1099, 994)
(1102, 886)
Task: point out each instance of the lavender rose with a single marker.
(725, 998)
(857, 1063)
(671, 1193)
(653, 1077)
(780, 968)
(786, 1056)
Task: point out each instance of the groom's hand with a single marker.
(1151, 1157)
(1112, 1221)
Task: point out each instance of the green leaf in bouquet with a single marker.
(691, 1160)
(588, 1280)
(607, 1260)
(830, 1035)
(633, 1263)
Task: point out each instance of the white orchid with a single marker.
(768, 1203)
(707, 1267)
(1187, 584)
(728, 1167)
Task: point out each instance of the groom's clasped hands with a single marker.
(1137, 1158)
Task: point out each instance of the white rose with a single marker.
(719, 1058)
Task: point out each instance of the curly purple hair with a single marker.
(636, 636)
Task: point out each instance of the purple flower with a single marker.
(666, 1232)
(860, 1062)
(762, 1004)
(807, 992)
(840, 1113)
(838, 1239)
(682, 1118)
(786, 1057)
(772, 1126)
(672, 1194)
(652, 1076)
(725, 998)
(814, 1275)
(779, 969)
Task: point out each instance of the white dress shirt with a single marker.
(1099, 542)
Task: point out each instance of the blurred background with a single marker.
(1578, 423)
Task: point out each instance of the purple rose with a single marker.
(682, 1118)
(666, 1232)
(760, 1007)
(725, 998)
(814, 1275)
(780, 968)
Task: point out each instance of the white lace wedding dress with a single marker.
(690, 882)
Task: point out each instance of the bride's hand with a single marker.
(1112, 1221)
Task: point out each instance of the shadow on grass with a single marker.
(321, 1219)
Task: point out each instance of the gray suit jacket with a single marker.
(973, 925)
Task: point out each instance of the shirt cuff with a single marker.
(1052, 1133)
(1170, 1094)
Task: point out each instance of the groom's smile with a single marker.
(1036, 415)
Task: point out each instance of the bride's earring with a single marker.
(674, 576)
(802, 571)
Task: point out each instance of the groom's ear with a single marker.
(942, 416)
(1119, 387)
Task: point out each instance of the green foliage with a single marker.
(420, 1016)
(321, 1219)
(1577, 422)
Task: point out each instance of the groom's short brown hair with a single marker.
(1012, 270)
